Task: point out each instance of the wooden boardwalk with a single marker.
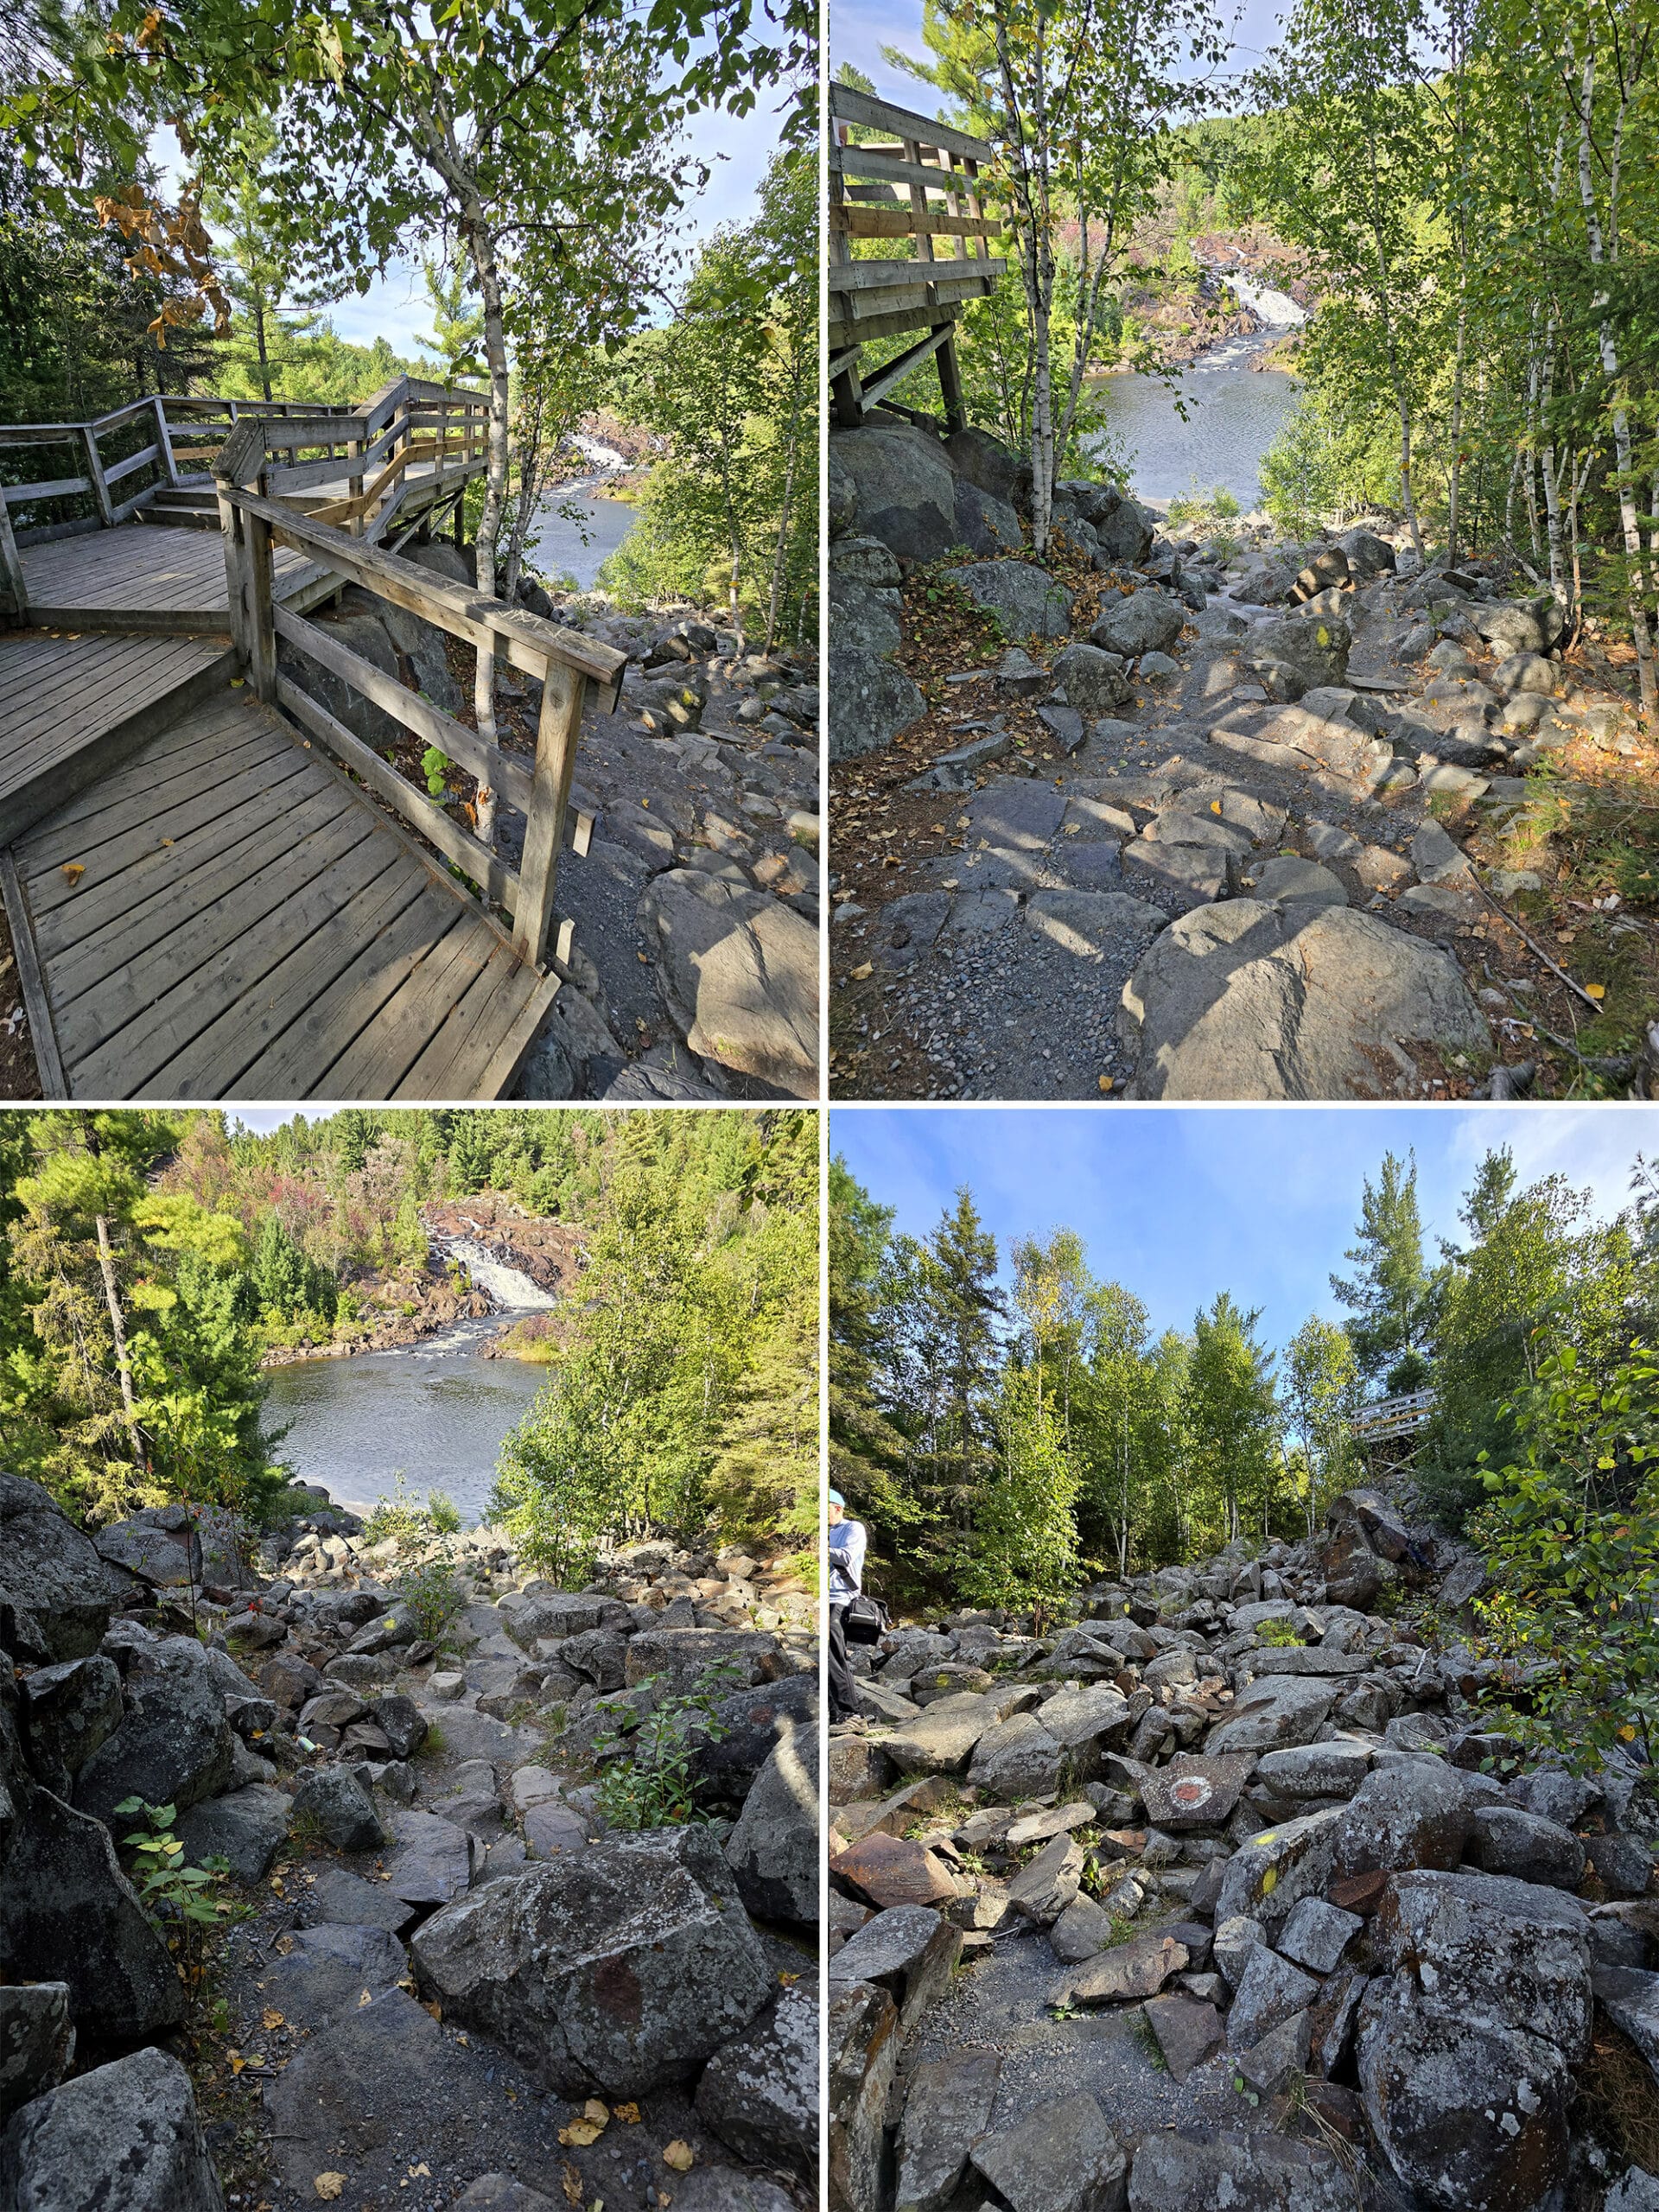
(224, 916)
(140, 578)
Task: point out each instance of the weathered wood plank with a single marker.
(381, 1054)
(203, 754)
(332, 926)
(36, 1006)
(556, 732)
(848, 104)
(488, 762)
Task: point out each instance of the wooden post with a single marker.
(555, 758)
(262, 620)
(231, 529)
(955, 408)
(14, 591)
(95, 470)
(164, 440)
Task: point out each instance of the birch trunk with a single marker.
(118, 1333)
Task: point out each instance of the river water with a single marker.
(434, 1412)
(578, 544)
(1233, 411)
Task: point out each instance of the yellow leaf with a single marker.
(599, 2114)
(236, 2064)
(1627, 1734)
(415, 2173)
(368, 1998)
(1595, 990)
(269, 2019)
(1215, 806)
(629, 2114)
(71, 872)
(860, 974)
(1105, 1082)
(579, 2134)
(571, 2182)
(329, 2186)
(680, 2155)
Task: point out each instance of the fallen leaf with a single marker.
(579, 2134)
(1595, 990)
(72, 871)
(862, 975)
(680, 2155)
(367, 1998)
(1105, 1082)
(1215, 806)
(599, 2114)
(434, 2009)
(629, 2114)
(415, 2173)
(329, 2186)
(269, 2019)
(571, 2181)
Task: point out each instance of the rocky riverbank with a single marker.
(696, 905)
(1159, 820)
(379, 2012)
(1226, 1894)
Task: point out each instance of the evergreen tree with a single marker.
(1322, 1394)
(1232, 1413)
(1022, 1550)
(1386, 1320)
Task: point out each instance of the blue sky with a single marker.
(859, 28)
(1179, 1202)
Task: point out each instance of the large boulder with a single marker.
(37, 2042)
(760, 2091)
(1145, 622)
(986, 523)
(1509, 1954)
(773, 1850)
(246, 1828)
(1202, 2170)
(1468, 2113)
(173, 1745)
(1025, 600)
(753, 1722)
(899, 488)
(1296, 653)
(738, 974)
(1060, 2158)
(870, 701)
(1016, 1760)
(1245, 1000)
(1125, 533)
(1276, 1711)
(862, 2043)
(990, 466)
(1368, 557)
(67, 1712)
(947, 2109)
(614, 1970)
(125, 2138)
(1271, 1872)
(67, 1913)
(862, 618)
(1416, 1813)
(50, 1572)
(1094, 680)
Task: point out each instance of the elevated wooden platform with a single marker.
(138, 579)
(74, 706)
(225, 915)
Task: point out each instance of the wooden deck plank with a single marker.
(205, 737)
(83, 699)
(214, 1065)
(469, 1040)
(157, 865)
(125, 807)
(297, 1062)
(130, 964)
(381, 1054)
(173, 998)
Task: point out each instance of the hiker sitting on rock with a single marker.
(847, 1541)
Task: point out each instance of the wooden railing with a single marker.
(409, 420)
(948, 264)
(565, 662)
(1387, 1417)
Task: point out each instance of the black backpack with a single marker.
(865, 1619)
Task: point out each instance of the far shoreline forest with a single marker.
(536, 173)
(1462, 194)
(150, 1260)
(1012, 1432)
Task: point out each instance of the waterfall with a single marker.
(1277, 309)
(508, 1289)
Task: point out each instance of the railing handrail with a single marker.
(334, 411)
(565, 661)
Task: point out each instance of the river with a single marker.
(564, 545)
(1234, 411)
(434, 1413)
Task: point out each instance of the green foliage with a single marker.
(402, 1519)
(431, 1593)
(180, 1902)
(649, 1782)
(730, 513)
(1277, 1635)
(1571, 1532)
(1322, 1396)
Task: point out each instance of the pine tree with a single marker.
(1022, 1546)
(1387, 1318)
(1231, 1412)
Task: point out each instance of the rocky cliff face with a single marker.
(450, 1970)
(1255, 1911)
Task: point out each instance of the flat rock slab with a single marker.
(1017, 811)
(429, 1861)
(892, 1870)
(1188, 2032)
(335, 1896)
(247, 1827)
(1129, 1971)
(469, 1734)
(330, 1972)
(1193, 1791)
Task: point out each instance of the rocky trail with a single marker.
(445, 1978)
(1245, 829)
(1225, 1896)
(696, 905)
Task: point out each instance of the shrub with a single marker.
(431, 1594)
(1279, 1635)
(652, 1785)
(180, 1900)
(1571, 1532)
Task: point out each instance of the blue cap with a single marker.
(835, 1498)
